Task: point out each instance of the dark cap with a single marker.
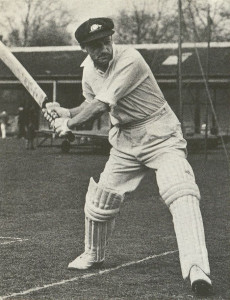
(94, 29)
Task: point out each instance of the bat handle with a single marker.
(70, 136)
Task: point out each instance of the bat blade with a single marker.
(23, 76)
(26, 79)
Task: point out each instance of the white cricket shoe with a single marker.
(200, 282)
(86, 260)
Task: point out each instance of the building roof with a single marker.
(64, 62)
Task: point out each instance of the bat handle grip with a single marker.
(70, 136)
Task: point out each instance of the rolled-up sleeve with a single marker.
(129, 72)
(87, 92)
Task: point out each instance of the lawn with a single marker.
(42, 229)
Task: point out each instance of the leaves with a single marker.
(45, 22)
(158, 22)
(37, 20)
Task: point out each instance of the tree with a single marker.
(37, 19)
(157, 21)
(51, 35)
(146, 23)
(197, 24)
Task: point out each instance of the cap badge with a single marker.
(95, 27)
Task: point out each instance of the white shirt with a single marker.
(128, 86)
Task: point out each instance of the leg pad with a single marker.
(101, 207)
(176, 179)
(101, 204)
(190, 235)
(180, 193)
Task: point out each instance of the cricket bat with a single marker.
(26, 79)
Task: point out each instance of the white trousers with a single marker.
(141, 146)
(157, 143)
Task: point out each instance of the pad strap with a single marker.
(170, 194)
(176, 179)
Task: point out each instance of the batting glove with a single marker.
(60, 126)
(53, 111)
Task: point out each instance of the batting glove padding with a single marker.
(60, 126)
(53, 111)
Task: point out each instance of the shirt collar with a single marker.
(86, 61)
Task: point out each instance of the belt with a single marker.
(161, 111)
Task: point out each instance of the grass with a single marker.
(42, 198)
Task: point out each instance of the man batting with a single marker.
(146, 134)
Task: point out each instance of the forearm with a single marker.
(76, 110)
(89, 112)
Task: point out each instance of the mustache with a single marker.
(104, 55)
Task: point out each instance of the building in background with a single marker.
(58, 71)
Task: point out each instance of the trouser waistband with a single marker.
(162, 110)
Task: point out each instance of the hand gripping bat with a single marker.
(26, 79)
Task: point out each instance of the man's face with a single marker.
(100, 51)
